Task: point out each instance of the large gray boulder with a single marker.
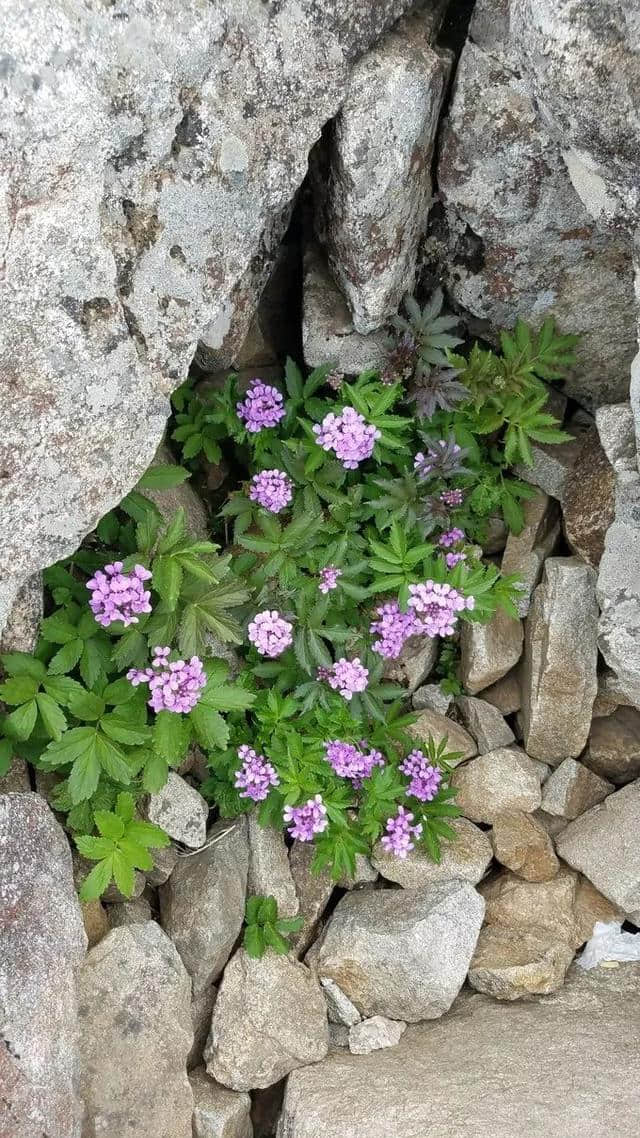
(618, 592)
(402, 954)
(176, 139)
(568, 1064)
(603, 844)
(134, 999)
(42, 944)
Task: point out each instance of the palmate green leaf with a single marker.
(85, 774)
(155, 773)
(252, 909)
(62, 688)
(95, 660)
(109, 826)
(18, 689)
(210, 728)
(175, 532)
(274, 939)
(130, 649)
(167, 579)
(58, 629)
(23, 664)
(123, 731)
(112, 759)
(125, 806)
(123, 873)
(21, 722)
(163, 477)
(86, 705)
(95, 848)
(253, 941)
(53, 718)
(136, 855)
(226, 697)
(171, 737)
(70, 747)
(148, 835)
(66, 658)
(97, 881)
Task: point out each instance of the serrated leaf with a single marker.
(85, 774)
(52, 716)
(163, 477)
(118, 692)
(20, 723)
(94, 661)
(274, 939)
(18, 689)
(23, 664)
(210, 728)
(148, 835)
(97, 881)
(86, 705)
(57, 628)
(253, 941)
(123, 731)
(123, 874)
(135, 854)
(112, 760)
(171, 736)
(96, 848)
(167, 579)
(62, 688)
(155, 773)
(268, 910)
(66, 658)
(175, 532)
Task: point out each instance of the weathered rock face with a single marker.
(572, 789)
(613, 749)
(617, 437)
(559, 675)
(603, 844)
(22, 628)
(313, 891)
(569, 1039)
(501, 780)
(328, 332)
(588, 502)
(173, 167)
(545, 907)
(521, 843)
(485, 723)
(510, 964)
(270, 1017)
(134, 1001)
(525, 552)
(373, 1034)
(467, 858)
(432, 725)
(218, 1112)
(42, 944)
(539, 247)
(402, 954)
(489, 651)
(618, 593)
(377, 186)
(180, 810)
(202, 904)
(269, 870)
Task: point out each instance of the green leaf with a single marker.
(95, 848)
(120, 691)
(148, 835)
(86, 705)
(112, 760)
(289, 924)
(120, 729)
(97, 881)
(163, 477)
(130, 649)
(171, 736)
(155, 773)
(94, 660)
(85, 774)
(6, 756)
(253, 941)
(62, 688)
(211, 730)
(23, 664)
(21, 722)
(135, 854)
(275, 939)
(175, 532)
(70, 747)
(109, 825)
(57, 629)
(167, 579)
(123, 874)
(268, 910)
(52, 717)
(125, 806)
(66, 658)
(18, 689)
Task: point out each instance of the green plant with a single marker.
(121, 847)
(265, 929)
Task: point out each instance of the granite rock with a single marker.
(466, 858)
(522, 844)
(489, 651)
(572, 789)
(505, 779)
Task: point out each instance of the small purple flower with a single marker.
(263, 406)
(335, 379)
(270, 633)
(424, 464)
(307, 820)
(451, 537)
(394, 628)
(452, 497)
(174, 686)
(425, 778)
(438, 606)
(256, 775)
(400, 832)
(329, 578)
(349, 761)
(452, 559)
(348, 435)
(272, 489)
(119, 596)
(348, 677)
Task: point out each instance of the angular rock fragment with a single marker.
(466, 858)
(217, 1111)
(485, 723)
(572, 789)
(327, 325)
(180, 810)
(510, 964)
(613, 747)
(375, 1033)
(314, 892)
(432, 725)
(430, 697)
(525, 552)
(589, 501)
(545, 907)
(269, 871)
(521, 843)
(489, 651)
(603, 844)
(501, 780)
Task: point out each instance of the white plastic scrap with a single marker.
(609, 943)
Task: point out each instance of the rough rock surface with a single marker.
(22, 627)
(525, 553)
(166, 170)
(134, 1006)
(414, 664)
(432, 725)
(340, 1009)
(270, 1017)
(377, 184)
(180, 810)
(466, 859)
(314, 892)
(521, 843)
(572, 789)
(95, 920)
(485, 723)
(218, 1112)
(134, 912)
(538, 248)
(202, 904)
(618, 593)
(269, 871)
(603, 844)
(613, 749)
(541, 1047)
(559, 674)
(502, 780)
(510, 964)
(327, 325)
(402, 954)
(615, 425)
(430, 697)
(544, 907)
(505, 694)
(42, 944)
(489, 651)
(373, 1034)
(552, 465)
(588, 503)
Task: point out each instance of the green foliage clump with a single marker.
(265, 929)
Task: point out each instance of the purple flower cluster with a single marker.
(451, 537)
(438, 606)
(425, 778)
(424, 464)
(349, 761)
(348, 676)
(307, 820)
(270, 633)
(174, 686)
(272, 489)
(119, 596)
(329, 578)
(394, 628)
(452, 559)
(452, 497)
(256, 775)
(263, 406)
(348, 435)
(400, 832)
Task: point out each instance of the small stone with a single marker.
(269, 872)
(314, 892)
(432, 725)
(589, 501)
(572, 789)
(164, 863)
(269, 1018)
(551, 823)
(181, 812)
(559, 681)
(430, 697)
(489, 651)
(340, 1009)
(16, 780)
(613, 747)
(95, 920)
(466, 858)
(328, 332)
(22, 628)
(134, 912)
(618, 592)
(542, 907)
(522, 844)
(338, 1035)
(617, 436)
(552, 465)
(402, 953)
(202, 904)
(414, 664)
(505, 693)
(374, 1034)
(525, 552)
(603, 844)
(502, 780)
(485, 723)
(218, 1112)
(510, 964)
(134, 1004)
